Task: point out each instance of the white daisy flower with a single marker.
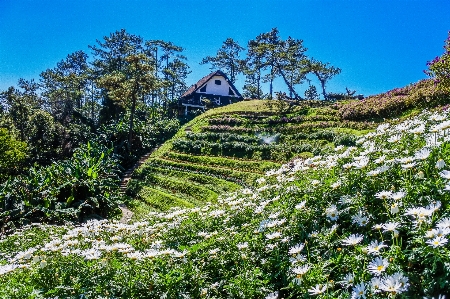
(318, 289)
(348, 280)
(398, 195)
(352, 240)
(423, 154)
(440, 164)
(445, 174)
(296, 249)
(274, 235)
(214, 251)
(395, 208)
(300, 205)
(336, 185)
(391, 226)
(299, 258)
(434, 206)
(359, 291)
(375, 284)
(380, 159)
(444, 223)
(395, 138)
(395, 284)
(374, 247)
(378, 265)
(437, 242)
(241, 246)
(440, 232)
(383, 195)
(409, 165)
(299, 272)
(360, 219)
(332, 212)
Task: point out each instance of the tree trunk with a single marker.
(322, 83)
(291, 89)
(259, 85)
(271, 83)
(130, 132)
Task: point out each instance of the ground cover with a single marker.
(369, 220)
(238, 142)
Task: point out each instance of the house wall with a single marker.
(213, 88)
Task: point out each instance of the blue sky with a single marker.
(379, 45)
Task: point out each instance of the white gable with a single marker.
(213, 87)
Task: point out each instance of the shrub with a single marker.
(439, 68)
(13, 154)
(423, 94)
(68, 190)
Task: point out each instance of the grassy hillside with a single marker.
(367, 218)
(228, 148)
(364, 221)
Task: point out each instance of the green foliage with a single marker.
(160, 200)
(13, 154)
(148, 134)
(370, 219)
(236, 164)
(439, 68)
(324, 72)
(311, 93)
(240, 177)
(44, 137)
(423, 94)
(227, 59)
(68, 190)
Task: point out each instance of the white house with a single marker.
(216, 87)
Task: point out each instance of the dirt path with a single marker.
(127, 213)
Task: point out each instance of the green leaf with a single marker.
(46, 203)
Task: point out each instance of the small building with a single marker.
(214, 88)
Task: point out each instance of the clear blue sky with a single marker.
(378, 44)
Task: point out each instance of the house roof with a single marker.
(205, 79)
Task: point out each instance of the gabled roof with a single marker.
(205, 79)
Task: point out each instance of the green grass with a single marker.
(235, 164)
(184, 177)
(161, 201)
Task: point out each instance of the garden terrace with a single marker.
(238, 143)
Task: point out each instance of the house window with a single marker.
(218, 82)
(203, 89)
(230, 92)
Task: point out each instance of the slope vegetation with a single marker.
(227, 148)
(365, 221)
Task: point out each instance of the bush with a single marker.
(68, 190)
(439, 68)
(423, 94)
(13, 154)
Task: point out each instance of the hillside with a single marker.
(229, 147)
(370, 220)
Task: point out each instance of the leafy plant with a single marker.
(68, 190)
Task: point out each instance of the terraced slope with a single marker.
(229, 147)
